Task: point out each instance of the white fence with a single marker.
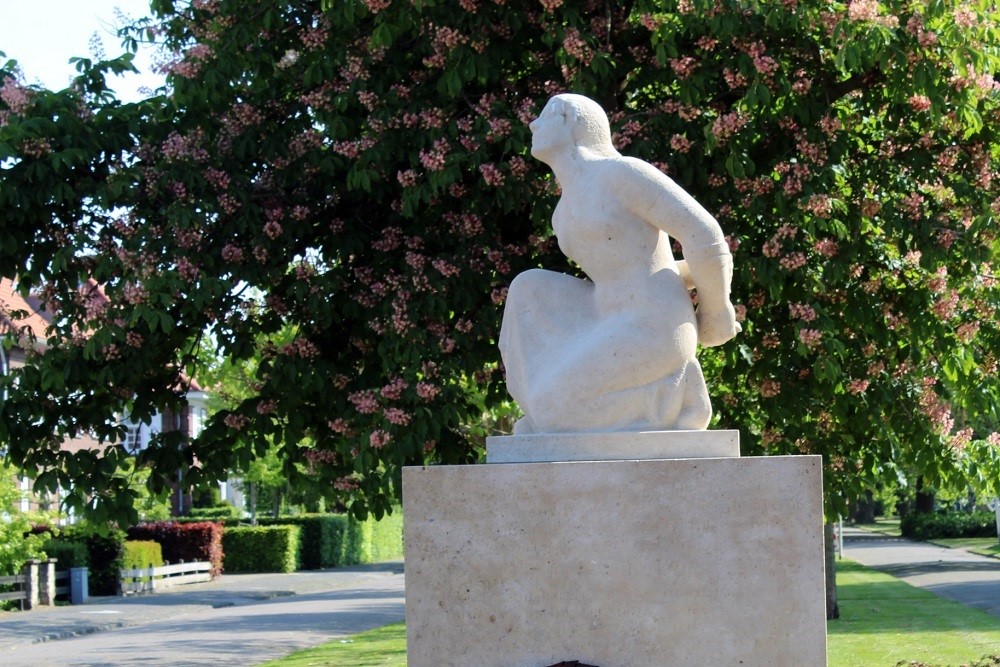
(149, 579)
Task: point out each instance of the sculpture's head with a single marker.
(570, 120)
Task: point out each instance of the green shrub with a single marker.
(142, 554)
(105, 555)
(320, 537)
(371, 541)
(948, 524)
(261, 548)
(188, 542)
(68, 553)
(224, 511)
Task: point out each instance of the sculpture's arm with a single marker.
(709, 264)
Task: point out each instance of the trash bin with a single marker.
(78, 585)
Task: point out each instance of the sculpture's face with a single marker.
(551, 130)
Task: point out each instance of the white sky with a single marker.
(42, 35)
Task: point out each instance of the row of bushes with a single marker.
(277, 545)
(930, 526)
(322, 540)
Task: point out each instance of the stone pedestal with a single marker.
(647, 563)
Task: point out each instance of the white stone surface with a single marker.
(615, 352)
(551, 447)
(616, 564)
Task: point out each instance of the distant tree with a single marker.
(17, 542)
(357, 174)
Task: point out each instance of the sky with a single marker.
(42, 35)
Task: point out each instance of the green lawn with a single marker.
(882, 621)
(886, 526)
(984, 546)
(381, 647)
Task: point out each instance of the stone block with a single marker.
(654, 563)
(550, 447)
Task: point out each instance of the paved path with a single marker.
(237, 620)
(955, 574)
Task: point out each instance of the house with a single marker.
(27, 320)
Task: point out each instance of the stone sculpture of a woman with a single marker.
(615, 352)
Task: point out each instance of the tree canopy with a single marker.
(355, 177)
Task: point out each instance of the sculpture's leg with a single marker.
(696, 409)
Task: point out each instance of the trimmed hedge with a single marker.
(261, 548)
(948, 524)
(68, 553)
(104, 557)
(320, 537)
(371, 541)
(188, 542)
(142, 554)
(220, 512)
(334, 540)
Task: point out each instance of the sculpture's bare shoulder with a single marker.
(638, 183)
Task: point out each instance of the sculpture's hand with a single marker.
(717, 324)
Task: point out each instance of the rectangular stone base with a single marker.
(649, 563)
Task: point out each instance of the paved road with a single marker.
(238, 620)
(951, 573)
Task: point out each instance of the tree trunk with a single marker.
(923, 503)
(253, 503)
(832, 608)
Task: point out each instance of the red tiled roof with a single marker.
(31, 321)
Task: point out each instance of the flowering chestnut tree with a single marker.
(355, 175)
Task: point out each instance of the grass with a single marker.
(984, 546)
(882, 621)
(886, 526)
(381, 647)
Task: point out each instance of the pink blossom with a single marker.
(235, 421)
(394, 390)
(801, 311)
(266, 407)
(912, 203)
(364, 402)
(793, 260)
(858, 386)
(491, 174)
(434, 159)
(961, 439)
(551, 5)
(407, 178)
(770, 388)
(427, 390)
(810, 338)
(338, 425)
(826, 247)
(994, 439)
(273, 229)
(684, 67)
(967, 332)
(680, 143)
(17, 98)
(379, 438)
(397, 416)
(920, 102)
(946, 306)
(727, 125)
(965, 17)
(232, 253)
(862, 10)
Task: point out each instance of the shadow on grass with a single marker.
(873, 602)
